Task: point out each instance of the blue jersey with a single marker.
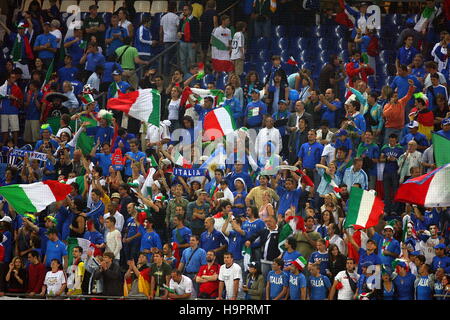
(104, 161)
(55, 250)
(136, 157)
(441, 262)
(423, 289)
(181, 236)
(254, 113)
(363, 257)
(288, 198)
(318, 287)
(322, 258)
(132, 229)
(211, 241)
(94, 236)
(288, 257)
(235, 243)
(310, 154)
(277, 282)
(404, 286)
(150, 240)
(251, 228)
(296, 283)
(195, 257)
(391, 245)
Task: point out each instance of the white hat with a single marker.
(388, 226)
(413, 124)
(156, 183)
(6, 219)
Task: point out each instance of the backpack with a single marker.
(373, 49)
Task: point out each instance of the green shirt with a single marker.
(93, 22)
(303, 245)
(171, 209)
(127, 60)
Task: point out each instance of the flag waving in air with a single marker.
(34, 197)
(364, 209)
(143, 104)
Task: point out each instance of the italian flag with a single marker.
(293, 224)
(300, 263)
(143, 104)
(152, 161)
(220, 53)
(181, 161)
(218, 123)
(218, 95)
(34, 197)
(114, 89)
(333, 184)
(81, 242)
(79, 180)
(270, 168)
(49, 73)
(364, 209)
(87, 98)
(147, 186)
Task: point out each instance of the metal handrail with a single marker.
(230, 7)
(158, 56)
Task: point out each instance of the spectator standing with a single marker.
(94, 25)
(188, 33)
(36, 273)
(46, 45)
(238, 48)
(221, 47)
(208, 276)
(345, 283)
(230, 279)
(128, 57)
(168, 35)
(109, 273)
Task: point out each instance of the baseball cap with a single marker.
(446, 121)
(281, 101)
(440, 246)
(115, 195)
(413, 124)
(253, 264)
(52, 219)
(200, 191)
(388, 226)
(254, 90)
(415, 253)
(47, 23)
(116, 72)
(93, 6)
(6, 219)
(341, 132)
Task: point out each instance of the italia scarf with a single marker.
(186, 28)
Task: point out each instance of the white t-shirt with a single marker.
(228, 275)
(427, 248)
(58, 36)
(169, 22)
(114, 243)
(346, 292)
(237, 43)
(185, 286)
(174, 109)
(125, 25)
(224, 36)
(54, 281)
(155, 134)
(329, 153)
(119, 220)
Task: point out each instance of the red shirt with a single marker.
(36, 277)
(210, 287)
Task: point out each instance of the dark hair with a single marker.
(97, 192)
(112, 219)
(176, 271)
(308, 218)
(195, 236)
(224, 203)
(393, 135)
(228, 254)
(356, 104)
(34, 254)
(292, 242)
(330, 251)
(219, 170)
(240, 25)
(279, 261)
(254, 211)
(331, 217)
(109, 255)
(79, 248)
(421, 258)
(180, 216)
(223, 18)
(431, 65)
(434, 76)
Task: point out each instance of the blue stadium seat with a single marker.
(340, 31)
(262, 43)
(388, 80)
(107, 18)
(284, 54)
(263, 55)
(280, 31)
(249, 66)
(295, 30)
(387, 56)
(207, 79)
(371, 81)
(222, 80)
(302, 43)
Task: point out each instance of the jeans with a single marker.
(187, 55)
(390, 184)
(168, 57)
(262, 29)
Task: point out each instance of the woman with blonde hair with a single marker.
(235, 81)
(16, 277)
(266, 209)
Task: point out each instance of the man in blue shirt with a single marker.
(403, 281)
(56, 249)
(400, 83)
(281, 118)
(234, 104)
(417, 68)
(132, 236)
(355, 174)
(114, 36)
(193, 258)
(92, 58)
(388, 247)
(318, 284)
(440, 260)
(255, 111)
(96, 209)
(329, 108)
(424, 284)
(102, 159)
(150, 240)
(133, 155)
(75, 46)
(117, 85)
(181, 234)
(236, 238)
(297, 281)
(420, 138)
(211, 239)
(445, 128)
(68, 72)
(46, 45)
(277, 281)
(289, 195)
(434, 90)
(365, 255)
(342, 140)
(32, 114)
(320, 257)
(406, 53)
(103, 132)
(310, 154)
(208, 102)
(238, 173)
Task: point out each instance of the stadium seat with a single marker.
(105, 6)
(207, 79)
(249, 66)
(25, 5)
(281, 44)
(302, 43)
(66, 4)
(284, 54)
(280, 31)
(158, 6)
(46, 4)
(222, 80)
(387, 56)
(142, 6)
(85, 4)
(138, 18)
(262, 43)
(118, 4)
(371, 81)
